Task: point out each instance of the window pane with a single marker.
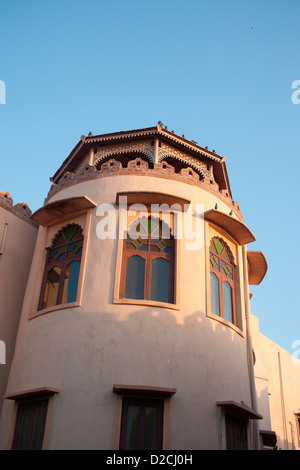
(160, 280)
(51, 288)
(132, 435)
(150, 434)
(71, 282)
(135, 274)
(227, 301)
(214, 294)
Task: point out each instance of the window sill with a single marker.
(147, 303)
(226, 323)
(53, 309)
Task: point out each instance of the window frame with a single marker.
(46, 236)
(149, 256)
(142, 403)
(212, 231)
(222, 278)
(238, 412)
(143, 392)
(30, 426)
(237, 422)
(124, 221)
(33, 396)
(63, 264)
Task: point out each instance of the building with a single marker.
(136, 330)
(18, 234)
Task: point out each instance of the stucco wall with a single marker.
(279, 372)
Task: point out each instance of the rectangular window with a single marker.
(30, 425)
(142, 424)
(236, 433)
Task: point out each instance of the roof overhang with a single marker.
(58, 210)
(160, 132)
(239, 409)
(235, 228)
(144, 390)
(32, 393)
(258, 267)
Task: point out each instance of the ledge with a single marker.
(33, 393)
(53, 211)
(225, 322)
(144, 390)
(243, 411)
(258, 267)
(146, 303)
(54, 308)
(236, 229)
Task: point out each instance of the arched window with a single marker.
(62, 268)
(222, 281)
(148, 262)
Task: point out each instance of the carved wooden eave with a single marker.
(159, 133)
(57, 210)
(239, 409)
(233, 227)
(258, 267)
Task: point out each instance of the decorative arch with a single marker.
(154, 225)
(228, 250)
(61, 229)
(179, 163)
(124, 158)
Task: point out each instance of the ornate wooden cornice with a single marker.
(170, 144)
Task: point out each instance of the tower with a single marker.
(135, 321)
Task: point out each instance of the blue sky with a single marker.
(218, 71)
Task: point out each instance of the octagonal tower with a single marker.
(134, 331)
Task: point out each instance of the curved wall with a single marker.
(84, 350)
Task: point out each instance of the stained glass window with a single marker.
(148, 262)
(62, 268)
(222, 279)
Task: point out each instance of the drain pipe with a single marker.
(256, 440)
(282, 403)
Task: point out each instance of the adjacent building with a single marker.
(135, 330)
